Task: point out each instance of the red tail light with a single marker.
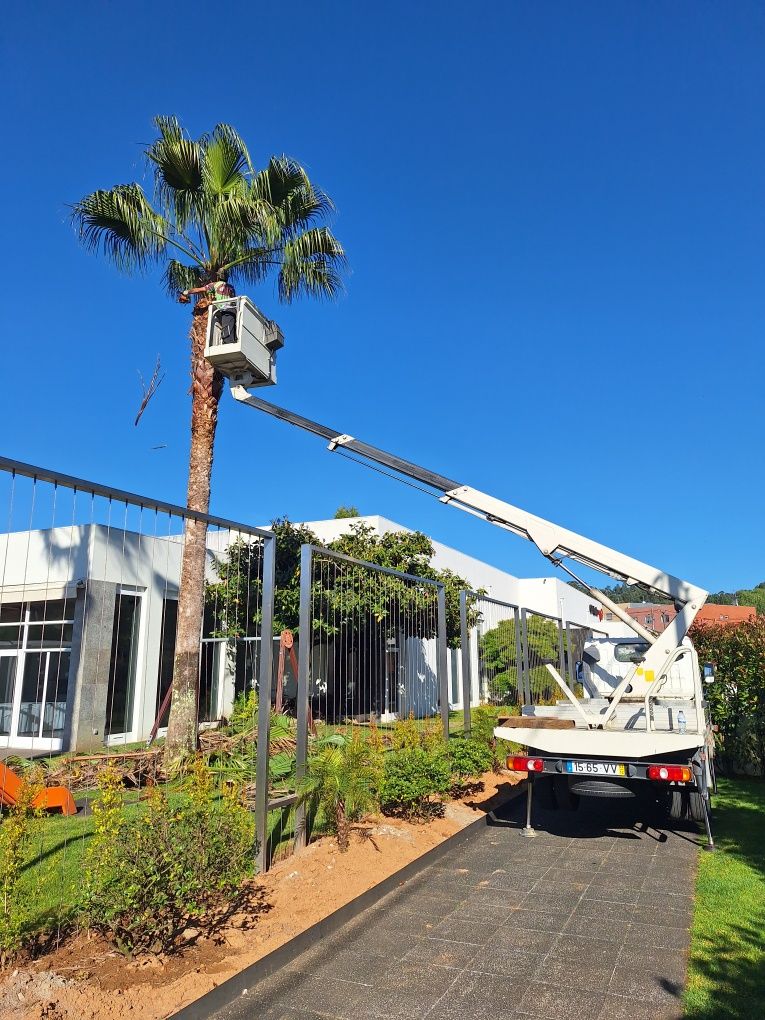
(525, 764)
(670, 773)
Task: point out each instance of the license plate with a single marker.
(596, 768)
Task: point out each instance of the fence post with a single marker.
(467, 689)
(265, 675)
(520, 688)
(443, 674)
(305, 639)
(525, 658)
(561, 653)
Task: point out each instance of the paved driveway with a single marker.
(587, 921)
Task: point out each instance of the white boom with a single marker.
(554, 542)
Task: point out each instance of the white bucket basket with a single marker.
(242, 343)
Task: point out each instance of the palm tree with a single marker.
(212, 216)
(340, 777)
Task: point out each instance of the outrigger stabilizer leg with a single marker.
(529, 830)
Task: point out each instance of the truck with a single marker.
(633, 721)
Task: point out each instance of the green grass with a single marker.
(726, 978)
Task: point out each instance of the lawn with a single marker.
(726, 978)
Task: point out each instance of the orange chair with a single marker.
(48, 799)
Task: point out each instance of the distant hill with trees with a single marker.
(634, 593)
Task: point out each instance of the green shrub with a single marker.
(16, 835)
(244, 712)
(469, 758)
(412, 776)
(341, 775)
(737, 696)
(483, 720)
(180, 859)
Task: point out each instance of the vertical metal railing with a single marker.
(89, 585)
(491, 652)
(372, 650)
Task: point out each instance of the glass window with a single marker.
(122, 668)
(7, 689)
(665, 617)
(52, 610)
(631, 651)
(56, 688)
(32, 688)
(166, 655)
(209, 672)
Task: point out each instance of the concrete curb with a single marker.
(230, 990)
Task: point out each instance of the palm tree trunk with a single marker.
(206, 387)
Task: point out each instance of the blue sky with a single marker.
(554, 219)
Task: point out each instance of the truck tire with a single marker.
(685, 805)
(610, 788)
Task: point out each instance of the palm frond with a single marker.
(236, 220)
(279, 179)
(178, 277)
(311, 265)
(123, 225)
(225, 162)
(178, 171)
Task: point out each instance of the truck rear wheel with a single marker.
(685, 805)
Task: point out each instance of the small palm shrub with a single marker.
(341, 777)
(244, 712)
(413, 780)
(149, 872)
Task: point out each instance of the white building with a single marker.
(87, 631)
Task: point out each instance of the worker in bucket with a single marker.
(218, 290)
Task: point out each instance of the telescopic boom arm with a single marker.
(554, 542)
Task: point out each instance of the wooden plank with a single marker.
(536, 722)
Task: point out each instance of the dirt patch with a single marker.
(84, 979)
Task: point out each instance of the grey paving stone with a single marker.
(560, 1002)
(553, 902)
(511, 880)
(619, 1007)
(642, 935)
(522, 940)
(583, 952)
(460, 929)
(541, 920)
(323, 995)
(588, 978)
(437, 953)
(480, 997)
(509, 964)
(665, 916)
(499, 903)
(602, 908)
(646, 985)
(351, 965)
(407, 999)
(603, 927)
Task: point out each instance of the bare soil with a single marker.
(85, 979)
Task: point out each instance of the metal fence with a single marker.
(89, 584)
(492, 663)
(371, 651)
(505, 650)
